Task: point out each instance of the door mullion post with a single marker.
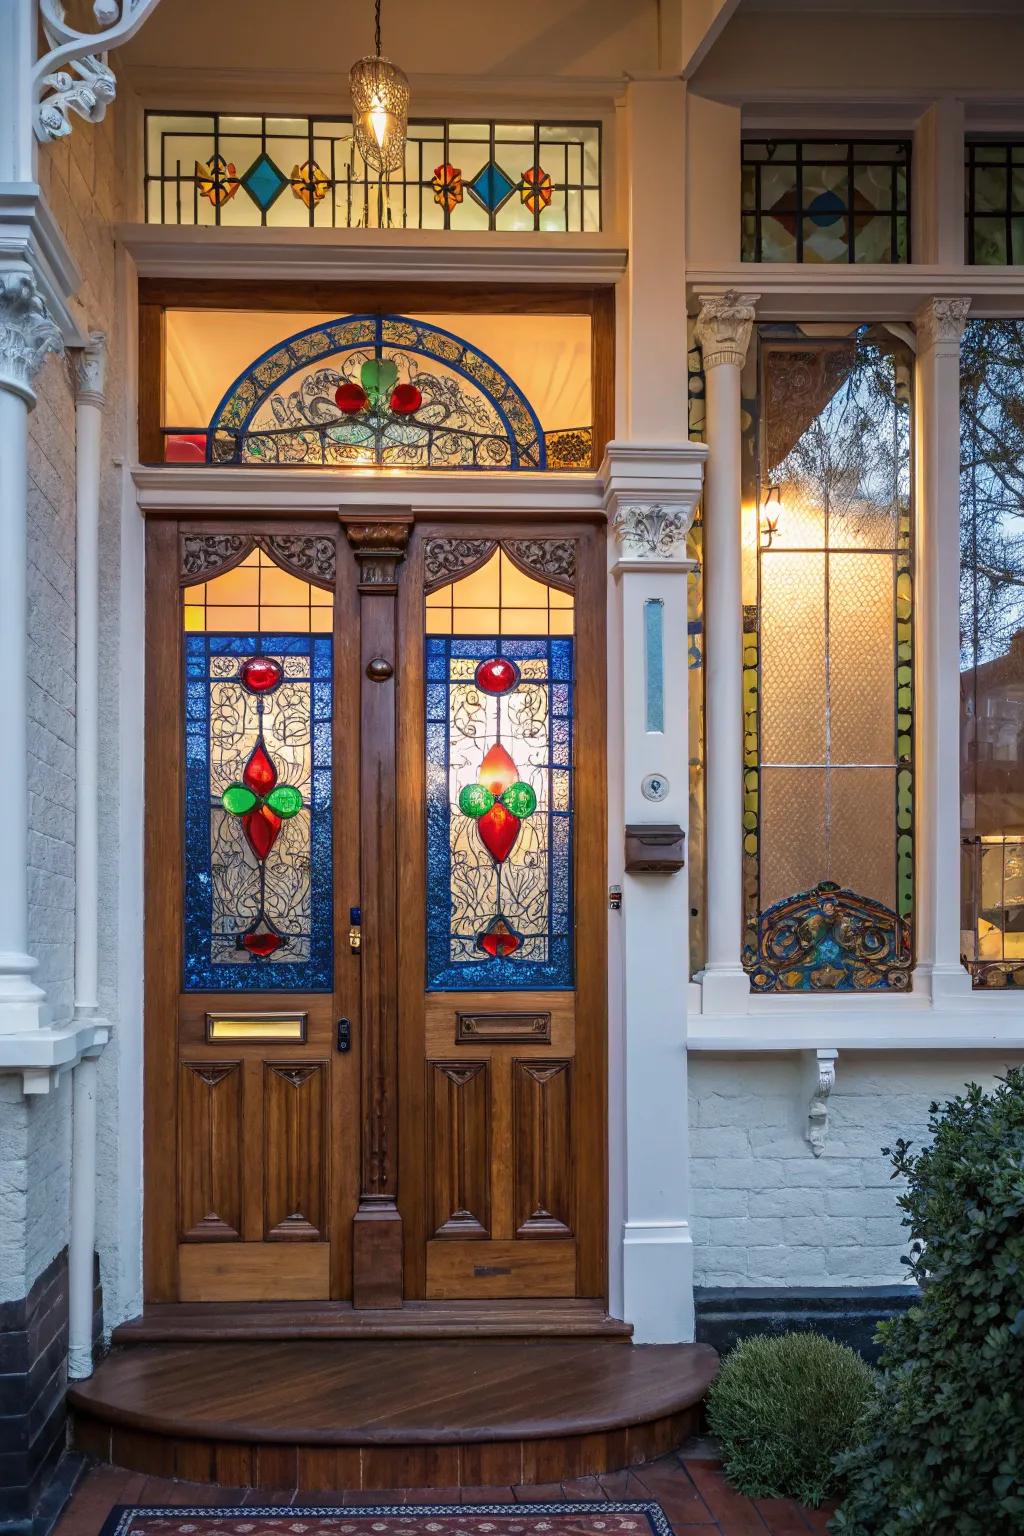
(379, 548)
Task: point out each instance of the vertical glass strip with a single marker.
(654, 662)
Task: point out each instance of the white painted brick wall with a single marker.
(767, 1212)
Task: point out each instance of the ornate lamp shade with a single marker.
(380, 112)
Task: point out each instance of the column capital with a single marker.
(724, 325)
(90, 369)
(940, 323)
(27, 334)
(650, 495)
(652, 534)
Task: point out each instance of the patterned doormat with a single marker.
(595, 1519)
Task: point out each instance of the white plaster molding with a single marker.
(31, 241)
(724, 325)
(650, 495)
(651, 533)
(40, 1056)
(90, 368)
(171, 250)
(940, 323)
(92, 87)
(823, 1070)
(27, 334)
(855, 292)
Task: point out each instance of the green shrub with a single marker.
(783, 1408)
(944, 1449)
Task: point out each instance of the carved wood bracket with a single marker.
(380, 549)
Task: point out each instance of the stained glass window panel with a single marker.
(499, 812)
(828, 697)
(805, 200)
(258, 876)
(994, 214)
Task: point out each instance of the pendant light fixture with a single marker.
(380, 109)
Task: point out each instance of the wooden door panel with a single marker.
(459, 1148)
(294, 1150)
(542, 1148)
(210, 1152)
(254, 1271)
(468, 1271)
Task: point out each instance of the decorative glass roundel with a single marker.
(497, 675)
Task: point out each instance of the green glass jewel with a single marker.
(520, 799)
(237, 799)
(378, 377)
(475, 800)
(285, 800)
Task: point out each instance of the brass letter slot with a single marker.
(481, 1271)
(657, 847)
(503, 1028)
(257, 1028)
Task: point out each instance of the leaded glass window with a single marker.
(826, 201)
(499, 710)
(258, 713)
(995, 202)
(212, 168)
(828, 664)
(992, 650)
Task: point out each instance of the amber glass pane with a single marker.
(499, 599)
(258, 595)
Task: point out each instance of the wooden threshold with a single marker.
(194, 1322)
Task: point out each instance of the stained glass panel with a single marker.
(499, 812)
(258, 877)
(806, 200)
(828, 695)
(214, 168)
(992, 650)
(994, 190)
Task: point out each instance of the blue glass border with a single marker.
(497, 975)
(200, 974)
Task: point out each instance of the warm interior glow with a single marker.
(499, 599)
(258, 595)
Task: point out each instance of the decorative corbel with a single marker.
(823, 1068)
(56, 91)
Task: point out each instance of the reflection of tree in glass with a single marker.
(991, 488)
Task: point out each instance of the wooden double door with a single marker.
(375, 934)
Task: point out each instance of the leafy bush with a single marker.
(783, 1408)
(945, 1439)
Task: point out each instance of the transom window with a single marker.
(814, 200)
(995, 202)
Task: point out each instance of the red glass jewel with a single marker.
(405, 399)
(496, 675)
(261, 944)
(261, 828)
(260, 674)
(497, 771)
(499, 830)
(498, 940)
(351, 398)
(259, 773)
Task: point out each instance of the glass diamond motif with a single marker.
(491, 187)
(264, 182)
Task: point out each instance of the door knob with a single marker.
(355, 932)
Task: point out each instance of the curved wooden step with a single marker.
(389, 1414)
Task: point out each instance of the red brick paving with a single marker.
(690, 1488)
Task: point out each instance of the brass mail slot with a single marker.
(658, 847)
(257, 1028)
(503, 1028)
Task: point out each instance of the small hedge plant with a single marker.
(783, 1408)
(944, 1442)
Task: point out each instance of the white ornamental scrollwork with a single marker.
(74, 76)
(27, 334)
(940, 322)
(652, 532)
(723, 327)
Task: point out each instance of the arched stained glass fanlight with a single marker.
(377, 391)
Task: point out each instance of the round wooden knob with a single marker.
(379, 670)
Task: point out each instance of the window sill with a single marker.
(40, 1056)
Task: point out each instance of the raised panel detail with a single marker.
(210, 1151)
(458, 1142)
(294, 1147)
(542, 1147)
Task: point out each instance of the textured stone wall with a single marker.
(767, 1212)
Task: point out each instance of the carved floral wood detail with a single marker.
(312, 558)
(549, 560)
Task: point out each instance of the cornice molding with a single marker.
(27, 334)
(791, 291)
(32, 242)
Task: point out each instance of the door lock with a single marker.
(344, 1035)
(355, 932)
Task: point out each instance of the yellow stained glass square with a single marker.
(281, 589)
(321, 621)
(475, 621)
(560, 620)
(439, 621)
(524, 621)
(241, 585)
(222, 619)
(480, 588)
(195, 616)
(285, 619)
(519, 590)
(559, 599)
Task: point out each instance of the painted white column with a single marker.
(27, 334)
(940, 325)
(90, 366)
(723, 330)
(649, 522)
